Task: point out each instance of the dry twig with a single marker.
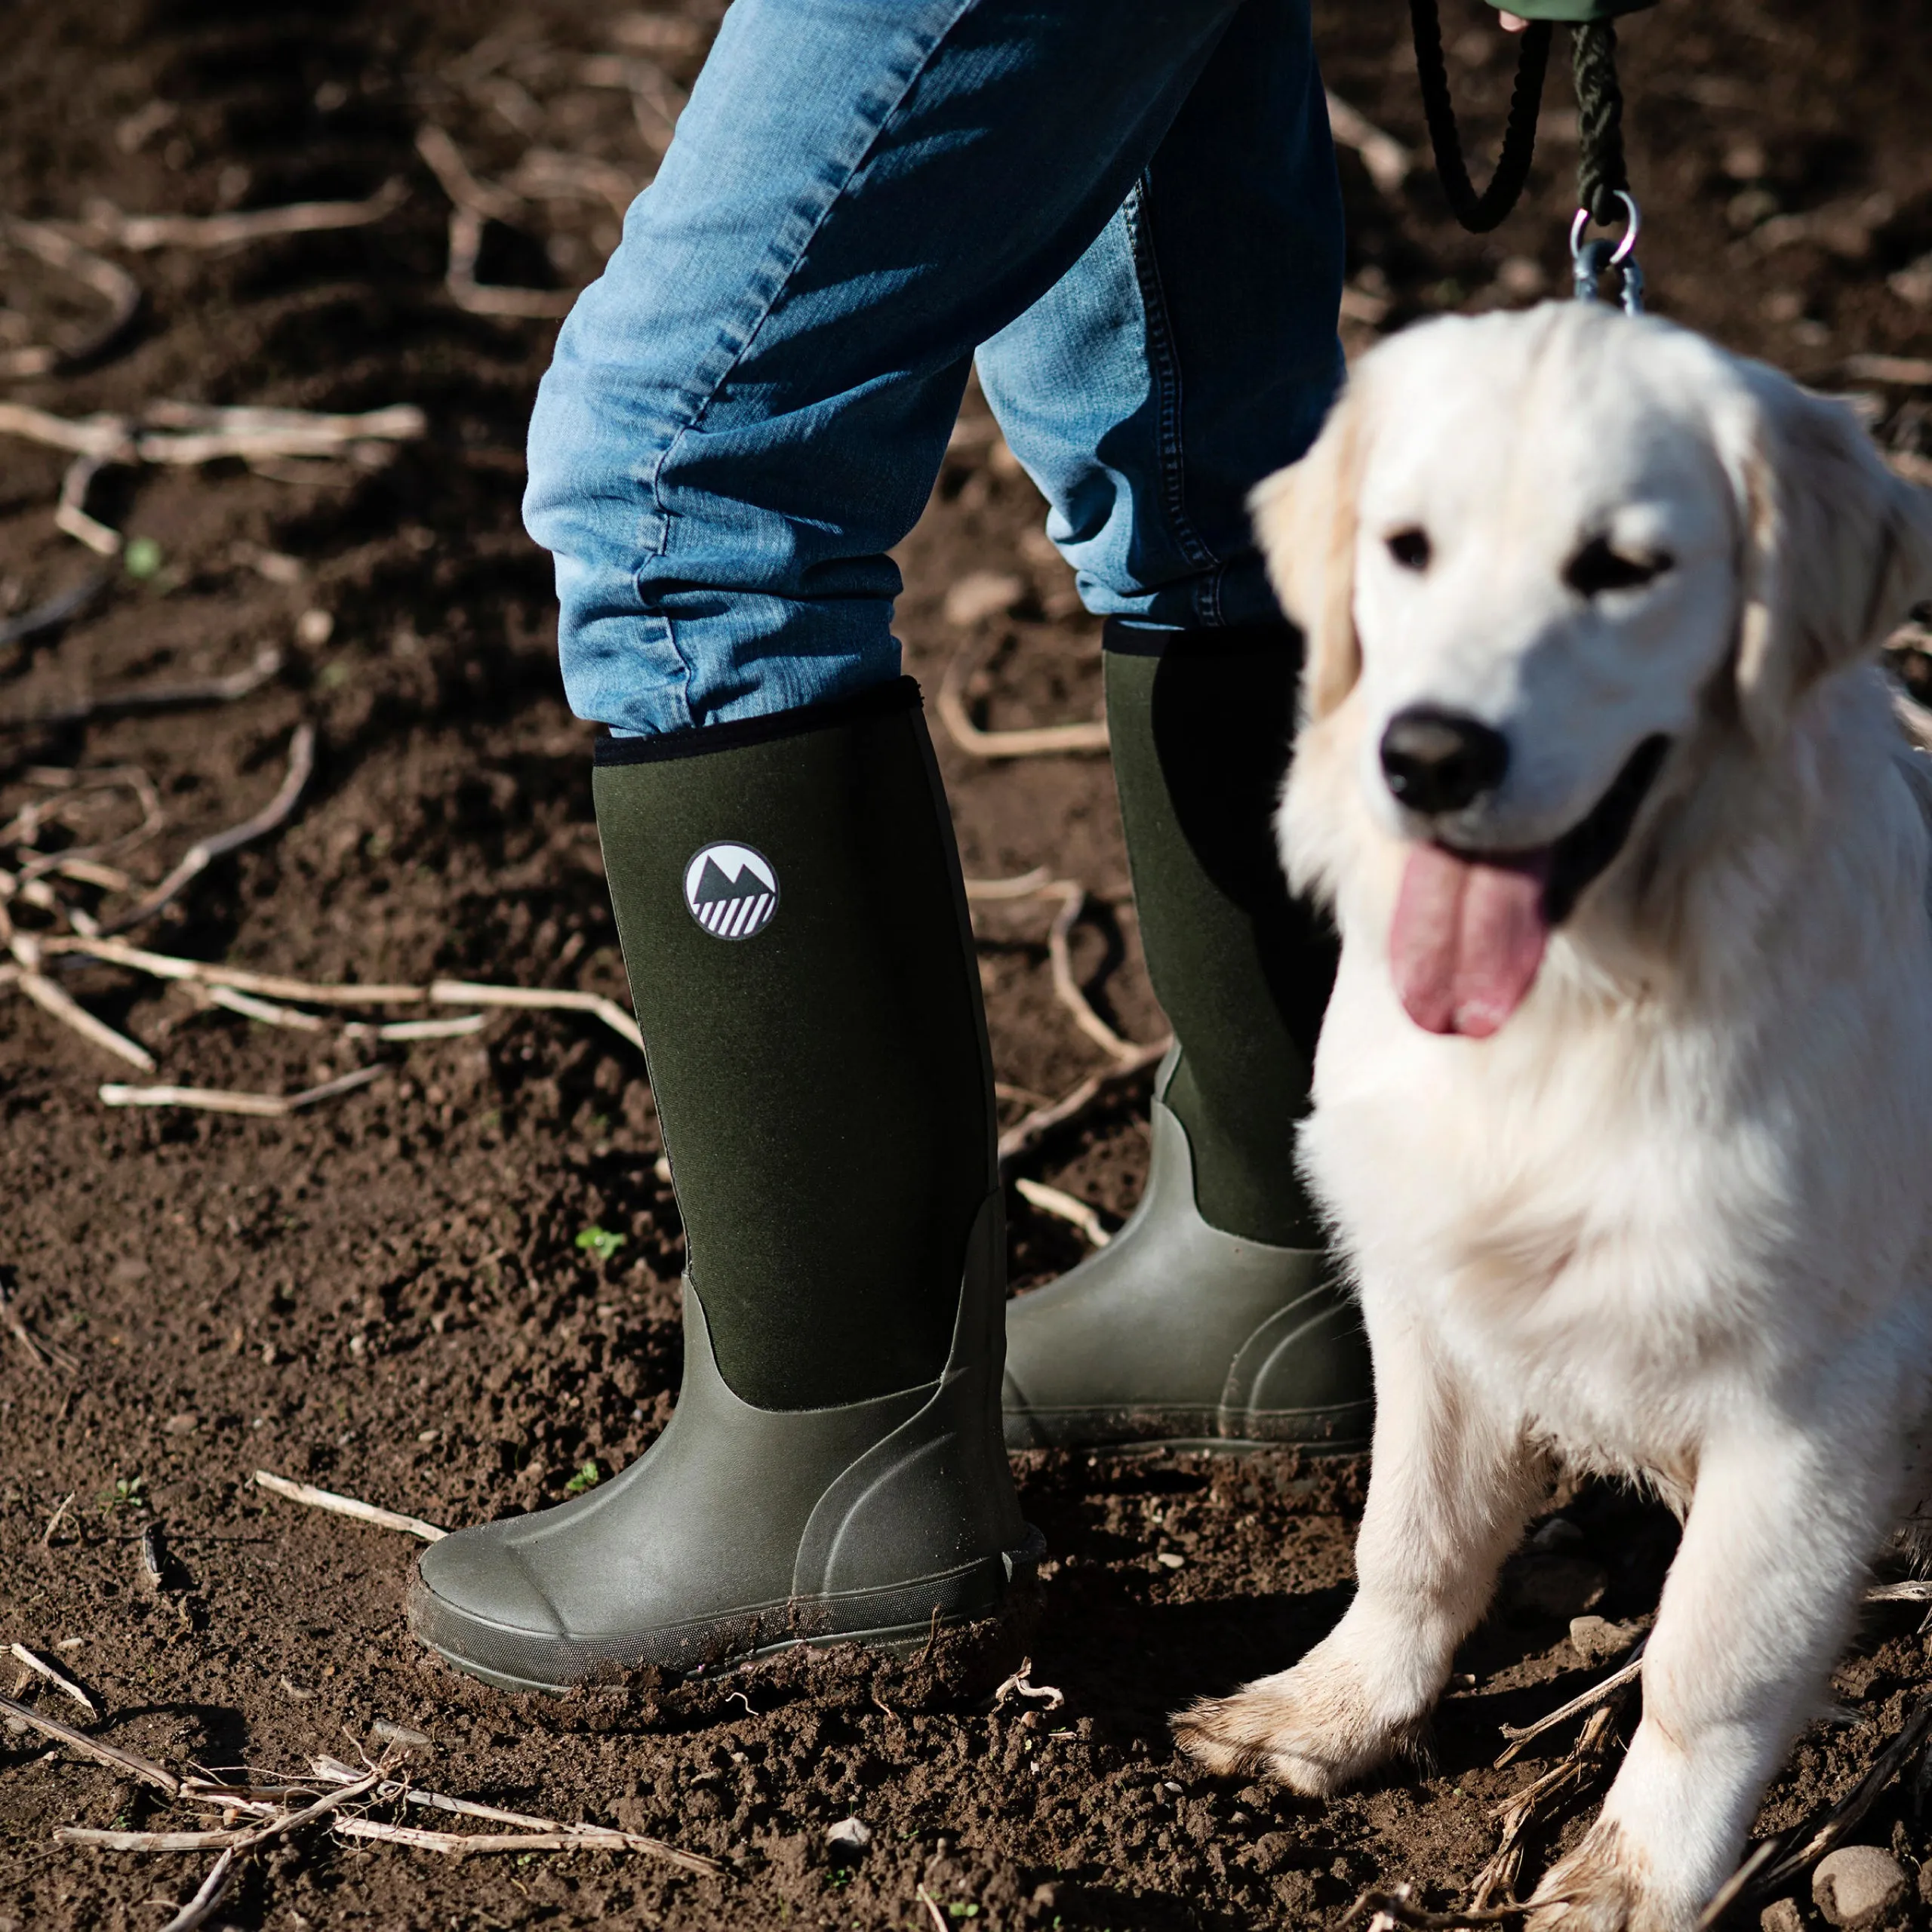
(1019, 1685)
(224, 690)
(1611, 1687)
(55, 612)
(142, 233)
(1395, 1905)
(114, 286)
(1388, 162)
(471, 992)
(926, 1898)
(57, 1002)
(226, 1100)
(1063, 1207)
(1041, 1121)
(1066, 989)
(1036, 742)
(143, 1768)
(197, 1910)
(277, 1827)
(348, 1506)
(59, 1679)
(473, 204)
(204, 851)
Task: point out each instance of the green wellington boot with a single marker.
(1214, 1318)
(788, 894)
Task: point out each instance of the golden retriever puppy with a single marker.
(1622, 1109)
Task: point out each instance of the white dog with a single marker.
(1623, 1106)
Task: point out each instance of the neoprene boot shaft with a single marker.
(1200, 727)
(1214, 1315)
(794, 925)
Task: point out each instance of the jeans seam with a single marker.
(700, 405)
(1164, 366)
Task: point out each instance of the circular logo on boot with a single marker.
(731, 890)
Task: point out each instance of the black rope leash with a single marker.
(1601, 173)
(1601, 176)
(1480, 213)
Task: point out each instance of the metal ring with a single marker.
(1634, 224)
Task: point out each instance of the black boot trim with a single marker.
(883, 701)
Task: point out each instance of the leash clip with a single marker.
(1588, 260)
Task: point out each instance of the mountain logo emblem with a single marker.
(731, 890)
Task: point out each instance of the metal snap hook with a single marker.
(1589, 259)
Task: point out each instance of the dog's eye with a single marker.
(1596, 568)
(1411, 548)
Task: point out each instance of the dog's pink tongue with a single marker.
(1468, 939)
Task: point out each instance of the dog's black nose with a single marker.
(1440, 761)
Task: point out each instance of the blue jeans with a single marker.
(1130, 213)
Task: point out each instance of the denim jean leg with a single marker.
(1191, 349)
(747, 410)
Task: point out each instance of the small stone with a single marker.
(1596, 1640)
(983, 594)
(398, 1733)
(185, 1423)
(1782, 1916)
(1169, 1559)
(315, 626)
(1857, 1884)
(849, 1834)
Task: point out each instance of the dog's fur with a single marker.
(1672, 1220)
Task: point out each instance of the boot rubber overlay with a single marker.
(1200, 723)
(810, 1010)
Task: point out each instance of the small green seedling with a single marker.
(586, 1478)
(600, 1243)
(128, 1493)
(142, 559)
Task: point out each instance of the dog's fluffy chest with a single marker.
(1623, 1228)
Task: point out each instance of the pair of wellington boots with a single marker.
(793, 924)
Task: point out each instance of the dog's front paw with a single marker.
(1606, 1885)
(1316, 1728)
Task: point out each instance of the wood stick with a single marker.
(1627, 1673)
(1034, 743)
(1023, 887)
(491, 298)
(115, 285)
(1042, 1120)
(71, 515)
(116, 1759)
(470, 992)
(277, 1827)
(204, 851)
(453, 173)
(224, 1100)
(1851, 1808)
(419, 1029)
(168, 966)
(266, 664)
(55, 612)
(1388, 162)
(581, 1838)
(1066, 989)
(143, 232)
(196, 1911)
(267, 1011)
(1065, 1208)
(56, 1001)
(37, 1355)
(348, 1506)
(59, 1679)
(53, 1521)
(925, 1898)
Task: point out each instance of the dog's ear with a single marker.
(1305, 520)
(1836, 549)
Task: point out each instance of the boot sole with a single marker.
(899, 1619)
(1342, 1430)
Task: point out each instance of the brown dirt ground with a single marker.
(385, 1294)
